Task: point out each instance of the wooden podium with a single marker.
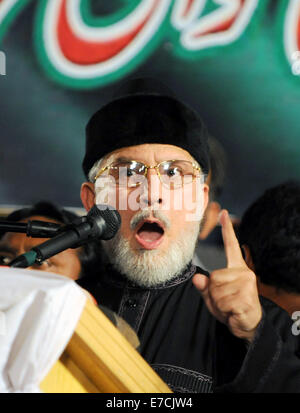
(99, 359)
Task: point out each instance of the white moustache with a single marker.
(145, 214)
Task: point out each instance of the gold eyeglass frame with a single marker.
(147, 167)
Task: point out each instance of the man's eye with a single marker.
(126, 172)
(130, 172)
(4, 260)
(174, 172)
(43, 264)
(47, 263)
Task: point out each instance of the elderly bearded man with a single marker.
(147, 151)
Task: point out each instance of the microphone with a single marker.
(34, 228)
(102, 222)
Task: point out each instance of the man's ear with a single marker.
(206, 196)
(87, 195)
(211, 219)
(248, 257)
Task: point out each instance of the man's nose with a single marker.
(152, 190)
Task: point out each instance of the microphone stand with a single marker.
(34, 228)
(59, 234)
(101, 222)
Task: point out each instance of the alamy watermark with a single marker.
(296, 324)
(2, 63)
(134, 194)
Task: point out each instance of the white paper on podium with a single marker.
(39, 312)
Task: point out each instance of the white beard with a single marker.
(148, 268)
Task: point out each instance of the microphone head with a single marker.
(111, 218)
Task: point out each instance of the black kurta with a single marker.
(193, 352)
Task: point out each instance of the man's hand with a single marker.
(231, 293)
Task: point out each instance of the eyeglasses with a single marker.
(174, 173)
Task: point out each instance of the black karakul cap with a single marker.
(145, 111)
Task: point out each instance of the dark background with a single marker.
(247, 95)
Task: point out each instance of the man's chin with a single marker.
(150, 267)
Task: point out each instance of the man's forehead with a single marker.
(160, 152)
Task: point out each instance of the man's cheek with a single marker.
(128, 199)
(125, 230)
(194, 202)
(105, 192)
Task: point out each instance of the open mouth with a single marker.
(150, 234)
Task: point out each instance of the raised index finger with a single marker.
(232, 248)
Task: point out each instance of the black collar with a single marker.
(113, 278)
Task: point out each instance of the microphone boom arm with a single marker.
(102, 223)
